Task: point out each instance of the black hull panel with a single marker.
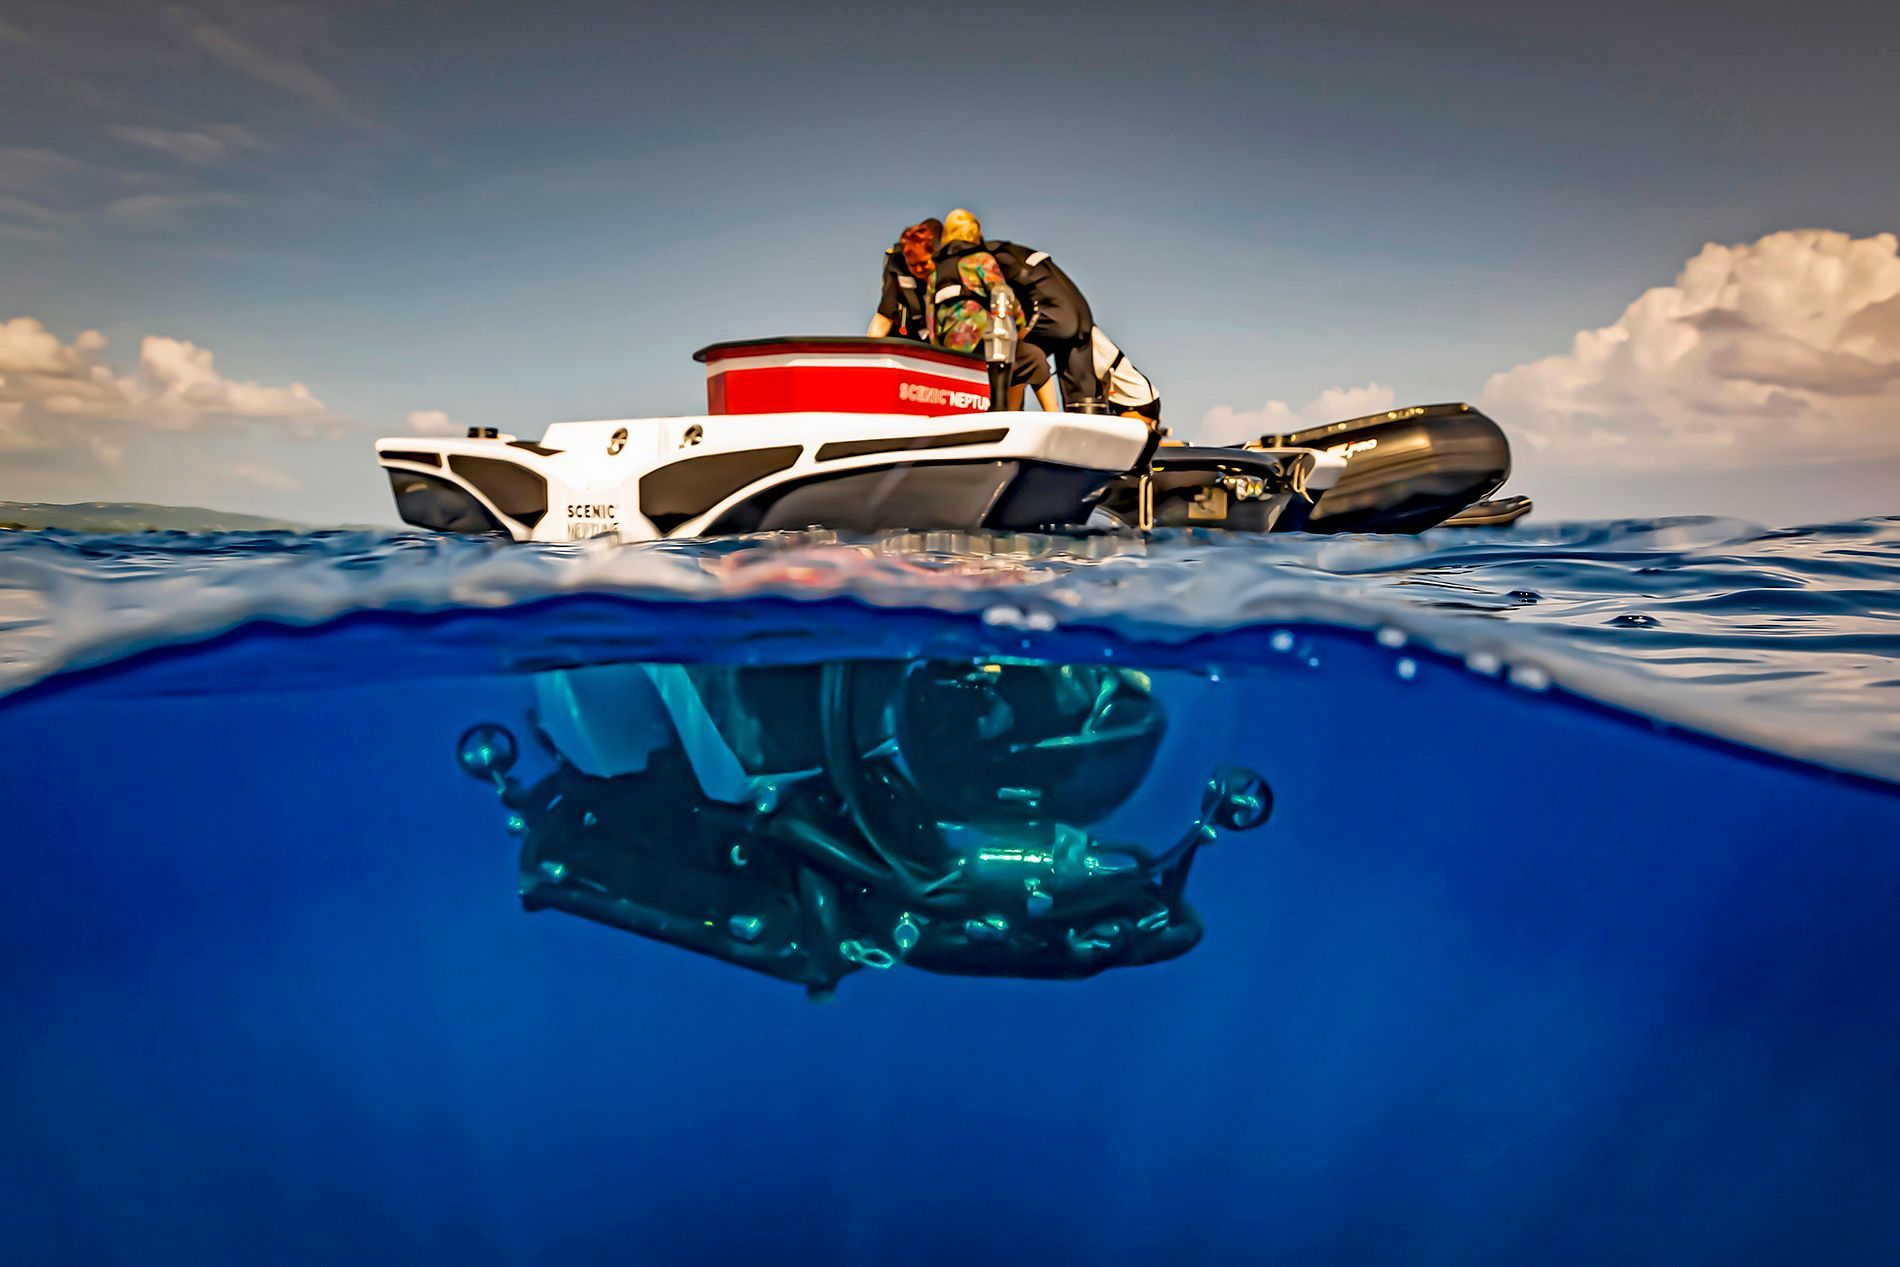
(1407, 470)
(1010, 495)
(1490, 514)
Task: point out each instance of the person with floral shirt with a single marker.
(964, 279)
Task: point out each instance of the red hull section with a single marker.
(842, 375)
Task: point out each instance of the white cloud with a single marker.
(58, 397)
(35, 172)
(44, 192)
(26, 209)
(434, 422)
(27, 347)
(190, 389)
(162, 207)
(200, 147)
(1337, 403)
(27, 233)
(105, 450)
(1224, 424)
(283, 73)
(264, 476)
(1783, 349)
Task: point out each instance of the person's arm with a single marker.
(889, 303)
(993, 281)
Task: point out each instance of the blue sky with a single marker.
(518, 214)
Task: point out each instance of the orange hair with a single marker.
(919, 245)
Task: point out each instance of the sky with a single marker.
(240, 239)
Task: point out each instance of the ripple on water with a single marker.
(1786, 639)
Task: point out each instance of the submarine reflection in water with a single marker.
(811, 821)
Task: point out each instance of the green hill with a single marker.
(134, 517)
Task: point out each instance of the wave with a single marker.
(1783, 640)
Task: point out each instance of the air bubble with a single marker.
(1483, 662)
(1390, 637)
(1530, 677)
(1282, 641)
(1408, 669)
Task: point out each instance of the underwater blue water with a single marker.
(1571, 937)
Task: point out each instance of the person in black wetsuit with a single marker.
(966, 277)
(1060, 323)
(900, 310)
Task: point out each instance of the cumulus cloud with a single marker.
(27, 347)
(190, 389)
(57, 396)
(1787, 348)
(434, 422)
(1224, 424)
(200, 147)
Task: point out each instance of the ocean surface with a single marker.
(1494, 896)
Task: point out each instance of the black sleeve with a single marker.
(1009, 258)
(891, 305)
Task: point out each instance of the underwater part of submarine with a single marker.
(811, 821)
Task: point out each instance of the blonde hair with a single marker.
(961, 226)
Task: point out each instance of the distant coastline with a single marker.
(133, 517)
